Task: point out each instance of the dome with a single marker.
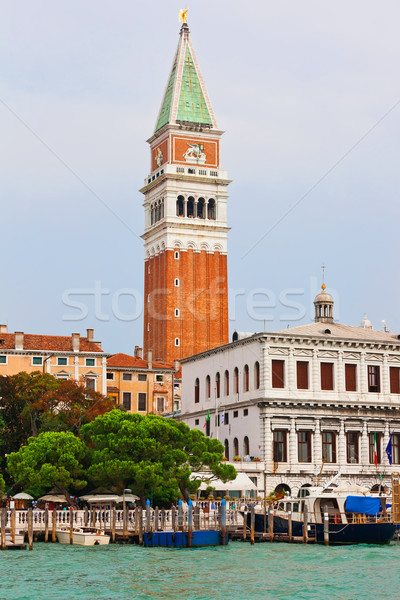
(366, 323)
(323, 306)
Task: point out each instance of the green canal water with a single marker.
(236, 572)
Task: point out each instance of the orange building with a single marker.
(186, 282)
(143, 386)
(65, 357)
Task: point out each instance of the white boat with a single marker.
(83, 536)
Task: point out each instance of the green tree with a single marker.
(19, 395)
(151, 454)
(70, 406)
(53, 459)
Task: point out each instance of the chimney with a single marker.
(19, 340)
(3, 328)
(149, 359)
(90, 335)
(177, 366)
(138, 352)
(75, 342)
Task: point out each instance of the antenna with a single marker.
(323, 272)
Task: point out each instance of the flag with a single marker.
(207, 419)
(375, 452)
(389, 449)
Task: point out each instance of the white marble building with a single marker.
(307, 401)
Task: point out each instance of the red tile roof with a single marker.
(127, 361)
(53, 343)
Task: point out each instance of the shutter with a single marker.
(302, 375)
(351, 377)
(278, 374)
(326, 376)
(394, 380)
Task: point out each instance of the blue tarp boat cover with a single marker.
(364, 505)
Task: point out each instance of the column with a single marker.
(363, 374)
(340, 387)
(341, 444)
(206, 208)
(265, 378)
(268, 457)
(76, 368)
(196, 201)
(185, 207)
(317, 444)
(385, 376)
(291, 372)
(385, 441)
(315, 375)
(364, 445)
(293, 458)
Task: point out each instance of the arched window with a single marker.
(218, 385)
(283, 488)
(257, 375)
(226, 383)
(246, 378)
(208, 386)
(197, 390)
(211, 209)
(236, 447)
(190, 207)
(180, 206)
(246, 446)
(236, 381)
(200, 208)
(226, 444)
(162, 209)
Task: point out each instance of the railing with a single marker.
(153, 519)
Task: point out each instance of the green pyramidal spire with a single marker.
(185, 99)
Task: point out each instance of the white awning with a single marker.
(241, 483)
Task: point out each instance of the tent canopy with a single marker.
(241, 483)
(58, 499)
(108, 498)
(23, 496)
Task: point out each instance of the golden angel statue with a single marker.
(183, 15)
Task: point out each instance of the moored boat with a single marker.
(83, 536)
(347, 517)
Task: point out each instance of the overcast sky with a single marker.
(308, 94)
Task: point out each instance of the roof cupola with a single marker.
(323, 306)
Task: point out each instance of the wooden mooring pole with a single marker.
(3, 528)
(252, 522)
(12, 525)
(156, 519)
(223, 522)
(113, 522)
(148, 516)
(71, 525)
(305, 524)
(46, 525)
(141, 526)
(244, 533)
(290, 527)
(53, 526)
(30, 529)
(326, 529)
(190, 525)
(271, 524)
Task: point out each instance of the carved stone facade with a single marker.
(306, 402)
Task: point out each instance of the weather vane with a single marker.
(183, 15)
(323, 276)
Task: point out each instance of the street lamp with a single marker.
(124, 515)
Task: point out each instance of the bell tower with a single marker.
(185, 237)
